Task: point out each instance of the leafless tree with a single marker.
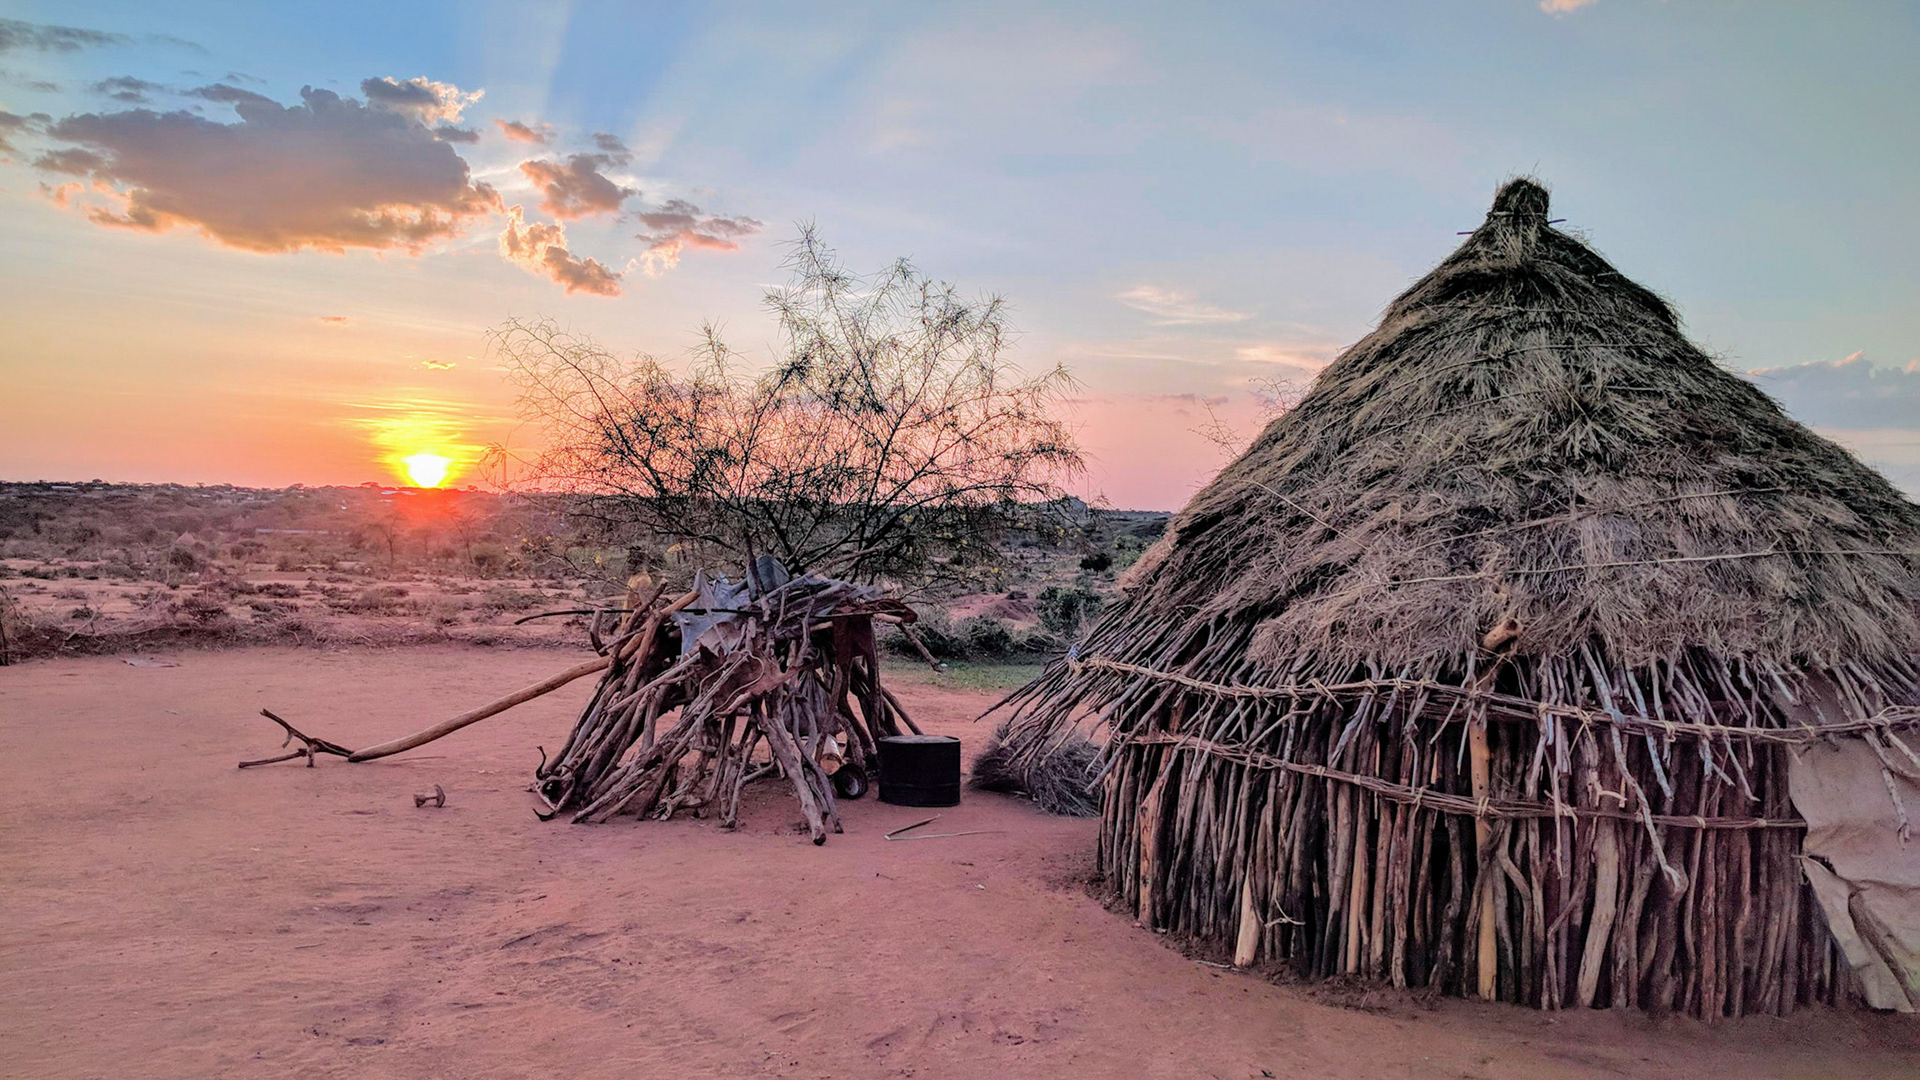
(891, 438)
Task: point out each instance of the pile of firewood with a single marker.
(690, 690)
(694, 687)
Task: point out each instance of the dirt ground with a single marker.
(163, 914)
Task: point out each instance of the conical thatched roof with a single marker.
(1529, 434)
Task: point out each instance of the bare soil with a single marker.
(163, 914)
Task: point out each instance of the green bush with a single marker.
(1067, 610)
(986, 638)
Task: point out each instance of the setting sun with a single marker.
(426, 470)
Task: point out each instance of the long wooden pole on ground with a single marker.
(474, 716)
(525, 694)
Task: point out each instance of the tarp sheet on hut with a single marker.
(1865, 874)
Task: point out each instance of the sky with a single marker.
(264, 243)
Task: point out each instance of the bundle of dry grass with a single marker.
(1480, 670)
(1057, 782)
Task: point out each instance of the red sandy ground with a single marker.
(165, 915)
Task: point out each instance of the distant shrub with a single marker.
(489, 558)
(986, 637)
(202, 608)
(1067, 610)
(501, 598)
(1096, 562)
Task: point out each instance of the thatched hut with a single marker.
(1513, 662)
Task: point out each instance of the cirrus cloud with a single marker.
(541, 248)
(1172, 307)
(17, 35)
(328, 174)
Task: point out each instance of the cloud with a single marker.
(20, 78)
(519, 132)
(1562, 7)
(1850, 393)
(611, 146)
(450, 133)
(17, 35)
(127, 89)
(541, 248)
(71, 161)
(439, 365)
(680, 224)
(421, 98)
(329, 173)
(577, 188)
(15, 124)
(1171, 307)
(335, 320)
(1308, 357)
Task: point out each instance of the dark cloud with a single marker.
(612, 147)
(1848, 393)
(12, 124)
(17, 35)
(420, 97)
(542, 249)
(679, 225)
(577, 188)
(450, 133)
(21, 78)
(329, 173)
(519, 132)
(71, 161)
(127, 88)
(230, 95)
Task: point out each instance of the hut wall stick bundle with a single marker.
(1486, 668)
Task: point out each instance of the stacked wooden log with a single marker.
(692, 691)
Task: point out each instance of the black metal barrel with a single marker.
(920, 770)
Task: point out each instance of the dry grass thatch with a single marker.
(1479, 669)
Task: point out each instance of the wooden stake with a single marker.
(1481, 761)
(1606, 883)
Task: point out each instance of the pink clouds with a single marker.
(519, 132)
(541, 248)
(680, 224)
(329, 173)
(577, 188)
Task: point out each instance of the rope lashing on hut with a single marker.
(1465, 806)
(1506, 707)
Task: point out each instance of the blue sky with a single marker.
(1179, 203)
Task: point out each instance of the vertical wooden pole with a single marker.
(1481, 759)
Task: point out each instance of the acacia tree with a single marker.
(890, 439)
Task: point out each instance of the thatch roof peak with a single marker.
(1528, 434)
